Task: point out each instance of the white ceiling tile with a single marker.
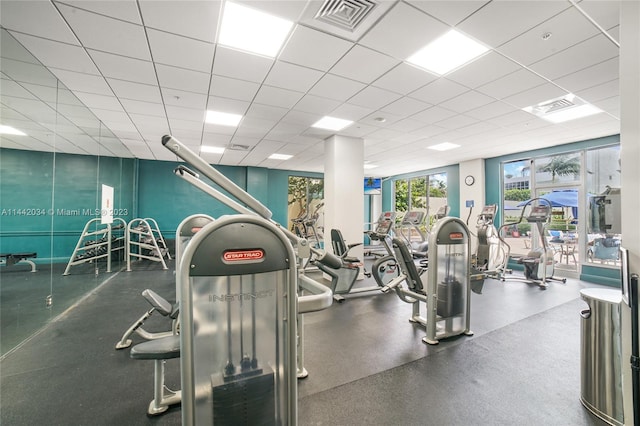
(141, 107)
(582, 55)
(372, 97)
(182, 79)
(535, 96)
(605, 13)
(327, 49)
(456, 122)
(129, 90)
(483, 70)
(564, 30)
(493, 109)
(450, 12)
(185, 125)
(285, 131)
(405, 106)
(404, 78)
(226, 87)
(433, 115)
(39, 18)
(266, 112)
(269, 95)
(123, 68)
(227, 105)
(351, 112)
(184, 99)
(600, 92)
(198, 19)
(500, 21)
(92, 100)
(403, 31)
(407, 125)
(126, 10)
(511, 84)
(240, 65)
(467, 101)
(178, 51)
(28, 73)
(364, 65)
(215, 139)
(83, 82)
(58, 55)
(438, 91)
(334, 87)
(292, 77)
(316, 105)
(591, 76)
(107, 34)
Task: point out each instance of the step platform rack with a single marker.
(239, 309)
(98, 241)
(145, 241)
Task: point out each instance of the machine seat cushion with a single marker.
(165, 348)
(160, 303)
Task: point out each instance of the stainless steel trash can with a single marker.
(601, 353)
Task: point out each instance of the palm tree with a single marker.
(561, 165)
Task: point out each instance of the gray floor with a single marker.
(367, 363)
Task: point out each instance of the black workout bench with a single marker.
(10, 259)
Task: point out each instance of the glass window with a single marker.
(306, 199)
(603, 205)
(558, 169)
(516, 176)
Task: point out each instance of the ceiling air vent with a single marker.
(345, 14)
(238, 147)
(561, 109)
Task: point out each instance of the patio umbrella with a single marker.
(561, 198)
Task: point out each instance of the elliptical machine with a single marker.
(384, 268)
(539, 263)
(491, 255)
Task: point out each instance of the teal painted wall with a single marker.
(169, 199)
(46, 199)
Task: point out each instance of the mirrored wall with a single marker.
(55, 159)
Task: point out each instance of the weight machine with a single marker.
(446, 291)
(239, 283)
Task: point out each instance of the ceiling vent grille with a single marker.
(345, 14)
(556, 105)
(238, 147)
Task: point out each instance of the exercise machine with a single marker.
(410, 225)
(10, 259)
(446, 289)
(539, 263)
(384, 267)
(343, 279)
(491, 255)
(239, 310)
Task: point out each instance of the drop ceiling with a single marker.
(120, 74)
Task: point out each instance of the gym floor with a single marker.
(367, 364)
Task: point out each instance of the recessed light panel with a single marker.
(445, 146)
(8, 130)
(332, 123)
(447, 53)
(223, 118)
(212, 149)
(370, 166)
(280, 156)
(253, 31)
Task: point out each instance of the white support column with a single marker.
(630, 158)
(344, 190)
